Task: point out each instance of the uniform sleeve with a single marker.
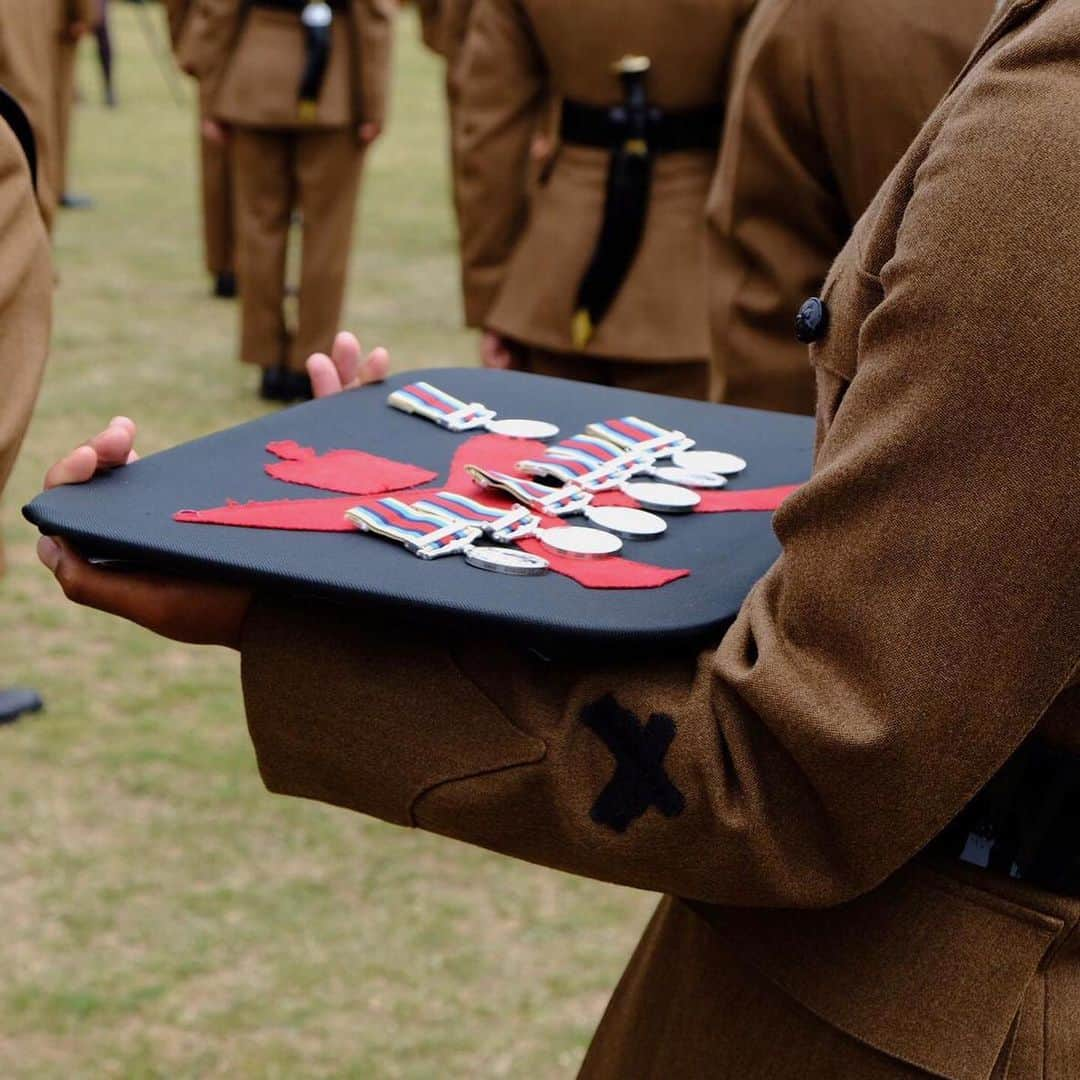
(25, 299)
(500, 78)
(431, 24)
(176, 12)
(775, 220)
(210, 33)
(825, 99)
(919, 624)
(375, 38)
(83, 11)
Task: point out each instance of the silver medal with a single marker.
(664, 497)
(627, 521)
(506, 561)
(672, 474)
(523, 429)
(709, 461)
(577, 542)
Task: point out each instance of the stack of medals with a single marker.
(649, 441)
(446, 523)
(608, 456)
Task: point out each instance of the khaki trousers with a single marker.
(685, 379)
(217, 204)
(66, 54)
(275, 172)
(65, 101)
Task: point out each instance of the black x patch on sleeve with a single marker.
(640, 780)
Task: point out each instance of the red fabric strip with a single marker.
(353, 472)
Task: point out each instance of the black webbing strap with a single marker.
(16, 119)
(634, 133)
(1025, 823)
(297, 6)
(603, 127)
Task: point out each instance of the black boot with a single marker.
(297, 386)
(272, 385)
(15, 702)
(225, 287)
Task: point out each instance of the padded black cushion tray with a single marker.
(127, 514)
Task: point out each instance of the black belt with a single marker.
(634, 133)
(1025, 823)
(605, 127)
(11, 111)
(297, 6)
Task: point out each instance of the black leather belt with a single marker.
(11, 112)
(297, 6)
(1025, 824)
(605, 127)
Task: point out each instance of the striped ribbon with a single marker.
(427, 532)
(424, 399)
(633, 433)
(559, 502)
(590, 462)
(498, 522)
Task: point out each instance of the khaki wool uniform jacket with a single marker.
(250, 61)
(922, 620)
(525, 252)
(825, 97)
(219, 242)
(29, 34)
(26, 287)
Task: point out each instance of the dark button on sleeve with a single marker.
(812, 321)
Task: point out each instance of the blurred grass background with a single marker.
(162, 916)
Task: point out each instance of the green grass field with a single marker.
(162, 916)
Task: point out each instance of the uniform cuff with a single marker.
(365, 717)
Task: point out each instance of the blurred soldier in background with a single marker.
(219, 232)
(604, 278)
(825, 98)
(444, 23)
(29, 31)
(300, 91)
(105, 52)
(75, 18)
(26, 285)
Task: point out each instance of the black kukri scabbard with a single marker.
(626, 205)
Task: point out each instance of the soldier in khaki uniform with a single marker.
(553, 276)
(26, 286)
(74, 18)
(874, 864)
(444, 23)
(29, 31)
(291, 151)
(219, 242)
(826, 95)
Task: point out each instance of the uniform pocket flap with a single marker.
(925, 968)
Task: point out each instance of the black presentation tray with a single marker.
(126, 515)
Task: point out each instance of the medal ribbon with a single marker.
(557, 501)
(427, 532)
(497, 521)
(437, 405)
(585, 460)
(633, 433)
